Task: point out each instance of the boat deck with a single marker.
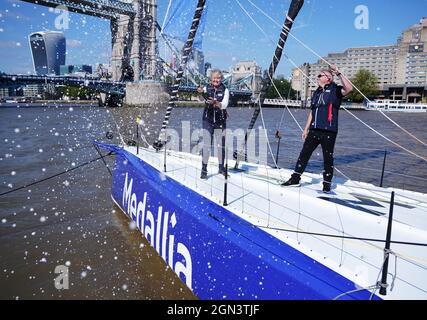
(344, 230)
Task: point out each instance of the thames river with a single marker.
(71, 220)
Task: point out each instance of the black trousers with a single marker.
(327, 140)
(209, 131)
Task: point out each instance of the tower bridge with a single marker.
(108, 9)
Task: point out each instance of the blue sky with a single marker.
(230, 36)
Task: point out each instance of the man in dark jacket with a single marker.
(322, 125)
(214, 120)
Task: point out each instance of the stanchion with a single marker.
(279, 137)
(226, 180)
(383, 284)
(382, 172)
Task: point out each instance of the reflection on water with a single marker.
(71, 220)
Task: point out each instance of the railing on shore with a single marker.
(283, 102)
(306, 104)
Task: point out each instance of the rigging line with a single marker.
(406, 259)
(266, 135)
(294, 9)
(223, 221)
(378, 277)
(286, 106)
(185, 55)
(283, 113)
(342, 228)
(354, 291)
(294, 211)
(117, 126)
(56, 175)
(329, 64)
(368, 126)
(381, 135)
(189, 71)
(103, 160)
(347, 237)
(285, 55)
(166, 15)
(275, 85)
(250, 17)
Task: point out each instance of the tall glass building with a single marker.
(48, 51)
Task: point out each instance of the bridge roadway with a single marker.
(108, 9)
(105, 86)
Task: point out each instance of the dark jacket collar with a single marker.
(326, 87)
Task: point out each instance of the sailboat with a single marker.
(244, 236)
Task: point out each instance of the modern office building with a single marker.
(401, 68)
(48, 51)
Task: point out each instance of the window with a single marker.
(416, 34)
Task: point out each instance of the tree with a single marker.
(367, 82)
(77, 93)
(284, 88)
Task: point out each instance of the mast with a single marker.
(185, 54)
(294, 9)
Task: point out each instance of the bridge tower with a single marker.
(134, 43)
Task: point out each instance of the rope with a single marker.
(166, 15)
(185, 55)
(368, 126)
(55, 175)
(103, 160)
(347, 237)
(329, 64)
(308, 217)
(283, 113)
(356, 290)
(266, 136)
(294, 9)
(118, 128)
(383, 136)
(260, 107)
(274, 85)
(302, 232)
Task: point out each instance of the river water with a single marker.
(71, 221)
